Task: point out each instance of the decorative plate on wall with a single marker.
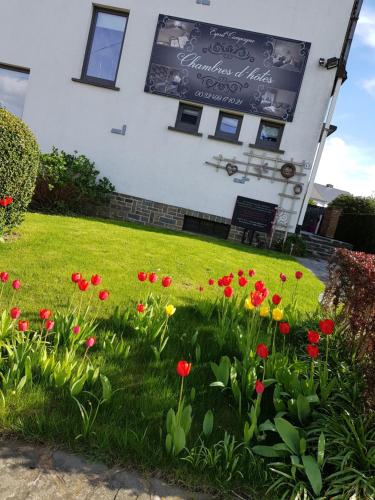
(288, 170)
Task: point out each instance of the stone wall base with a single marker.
(124, 207)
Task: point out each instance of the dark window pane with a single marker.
(228, 125)
(190, 116)
(269, 133)
(13, 87)
(106, 46)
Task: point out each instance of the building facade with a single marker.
(195, 110)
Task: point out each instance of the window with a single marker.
(13, 87)
(228, 127)
(188, 119)
(269, 135)
(207, 227)
(104, 47)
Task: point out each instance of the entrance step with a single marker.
(321, 247)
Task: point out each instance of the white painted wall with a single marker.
(50, 36)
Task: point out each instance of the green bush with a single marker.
(293, 245)
(69, 183)
(19, 163)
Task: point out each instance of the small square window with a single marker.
(269, 135)
(228, 126)
(188, 118)
(104, 46)
(13, 87)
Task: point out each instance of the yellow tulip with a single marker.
(249, 305)
(264, 311)
(170, 310)
(277, 314)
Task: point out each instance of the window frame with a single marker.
(270, 146)
(17, 69)
(226, 136)
(94, 18)
(182, 127)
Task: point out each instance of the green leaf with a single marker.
(186, 419)
(267, 426)
(269, 451)
(168, 443)
(303, 408)
(22, 383)
(198, 353)
(106, 386)
(192, 394)
(179, 439)
(2, 399)
(171, 420)
(77, 386)
(217, 384)
(288, 433)
(313, 473)
(208, 423)
(28, 372)
(302, 446)
(321, 449)
(222, 371)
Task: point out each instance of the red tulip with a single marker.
(242, 281)
(259, 286)
(4, 202)
(83, 285)
(211, 282)
(227, 280)
(313, 337)
(298, 275)
(259, 387)
(103, 294)
(76, 277)
(16, 284)
(45, 313)
(49, 324)
(231, 275)
(257, 298)
(220, 282)
(90, 342)
(326, 326)
(141, 308)
(282, 277)
(4, 277)
(96, 279)
(251, 273)
(166, 281)
(228, 291)
(240, 273)
(15, 312)
(284, 328)
(152, 278)
(183, 368)
(312, 351)
(76, 330)
(23, 326)
(262, 351)
(142, 276)
(276, 299)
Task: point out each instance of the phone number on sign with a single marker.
(218, 98)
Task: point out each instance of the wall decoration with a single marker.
(227, 67)
(231, 169)
(298, 188)
(288, 170)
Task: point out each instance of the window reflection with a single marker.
(13, 87)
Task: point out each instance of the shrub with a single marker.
(351, 291)
(19, 163)
(69, 183)
(293, 245)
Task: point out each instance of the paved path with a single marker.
(318, 267)
(41, 473)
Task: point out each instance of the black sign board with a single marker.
(227, 67)
(254, 214)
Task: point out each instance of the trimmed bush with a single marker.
(68, 183)
(293, 245)
(19, 164)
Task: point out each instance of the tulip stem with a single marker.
(180, 401)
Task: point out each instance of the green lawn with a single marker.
(131, 428)
(49, 248)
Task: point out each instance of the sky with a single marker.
(348, 160)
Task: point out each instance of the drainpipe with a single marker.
(318, 157)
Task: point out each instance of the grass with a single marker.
(131, 428)
(50, 248)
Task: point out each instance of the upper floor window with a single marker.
(269, 135)
(228, 126)
(104, 46)
(13, 87)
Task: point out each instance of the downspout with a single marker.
(319, 153)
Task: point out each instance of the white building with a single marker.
(249, 83)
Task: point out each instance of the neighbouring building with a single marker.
(207, 115)
(323, 195)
